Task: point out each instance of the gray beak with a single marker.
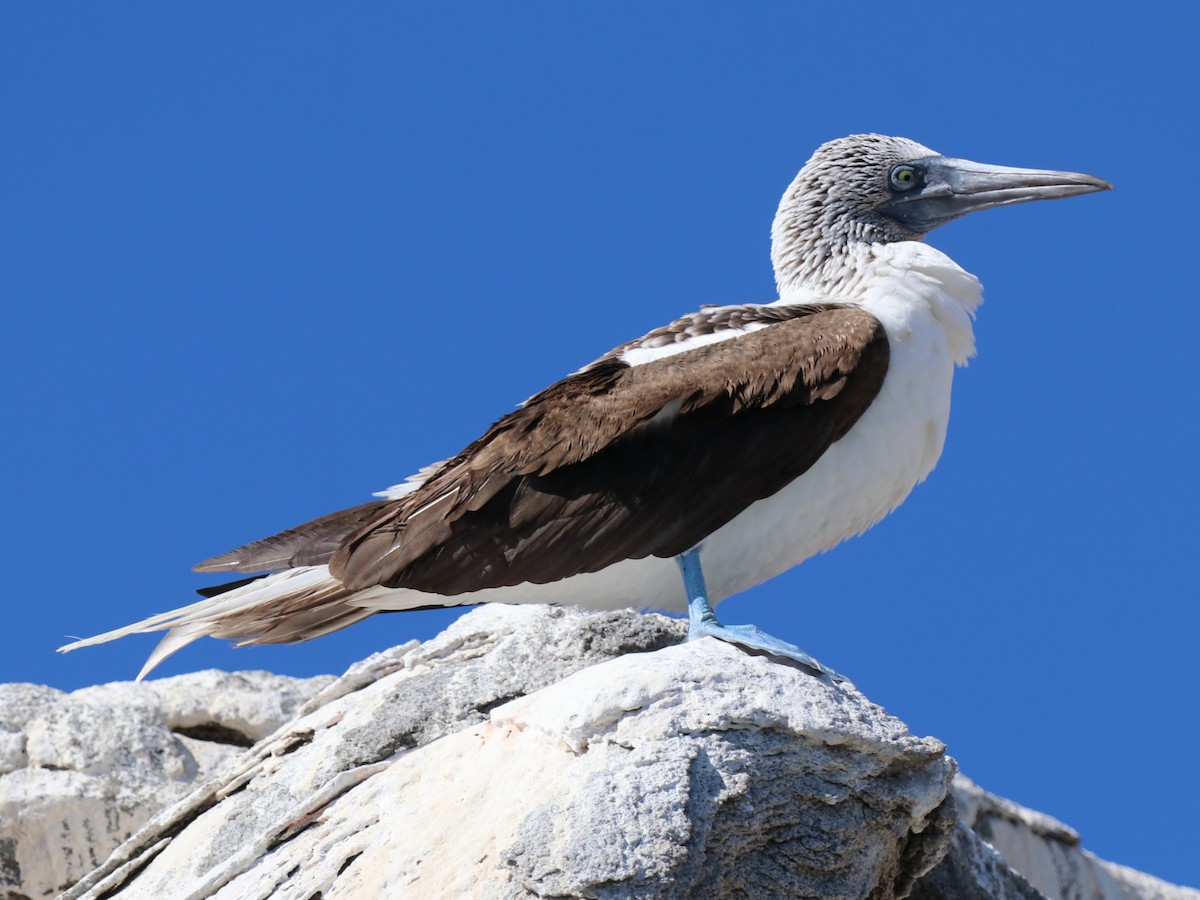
(950, 188)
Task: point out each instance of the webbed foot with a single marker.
(702, 621)
(755, 638)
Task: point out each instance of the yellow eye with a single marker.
(903, 178)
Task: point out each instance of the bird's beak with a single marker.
(954, 187)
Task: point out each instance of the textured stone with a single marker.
(81, 772)
(478, 765)
(525, 752)
(1047, 853)
(973, 870)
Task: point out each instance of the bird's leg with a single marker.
(702, 621)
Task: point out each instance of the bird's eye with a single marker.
(903, 178)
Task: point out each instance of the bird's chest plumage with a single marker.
(888, 451)
(859, 479)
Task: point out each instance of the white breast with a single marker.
(925, 302)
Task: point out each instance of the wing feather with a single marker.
(617, 461)
(311, 544)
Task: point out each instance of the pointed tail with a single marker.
(283, 608)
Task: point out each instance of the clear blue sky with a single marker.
(259, 260)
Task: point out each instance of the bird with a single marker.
(685, 466)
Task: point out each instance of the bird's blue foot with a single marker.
(756, 639)
(702, 621)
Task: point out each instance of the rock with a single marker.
(1046, 853)
(478, 765)
(973, 870)
(1004, 851)
(80, 772)
(525, 752)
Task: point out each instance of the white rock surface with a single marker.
(81, 772)
(525, 752)
(697, 770)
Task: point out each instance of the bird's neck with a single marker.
(818, 269)
(820, 241)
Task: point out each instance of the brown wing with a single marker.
(621, 462)
(305, 545)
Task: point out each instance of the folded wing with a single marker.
(621, 461)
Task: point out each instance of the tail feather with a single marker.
(173, 641)
(287, 607)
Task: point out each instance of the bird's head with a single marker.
(875, 189)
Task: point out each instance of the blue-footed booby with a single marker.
(726, 447)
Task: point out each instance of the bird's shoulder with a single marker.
(710, 324)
